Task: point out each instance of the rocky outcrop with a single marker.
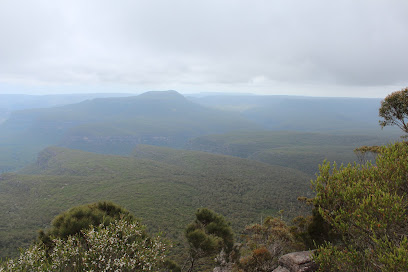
(296, 262)
(292, 262)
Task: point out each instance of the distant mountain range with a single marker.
(12, 102)
(165, 118)
(116, 125)
(112, 125)
(312, 114)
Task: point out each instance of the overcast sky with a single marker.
(315, 48)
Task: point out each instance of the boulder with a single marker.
(297, 262)
(292, 262)
(280, 269)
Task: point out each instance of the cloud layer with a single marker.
(327, 48)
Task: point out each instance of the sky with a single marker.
(347, 48)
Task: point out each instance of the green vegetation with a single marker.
(367, 153)
(122, 245)
(209, 235)
(301, 151)
(265, 243)
(394, 110)
(367, 206)
(359, 219)
(82, 217)
(164, 193)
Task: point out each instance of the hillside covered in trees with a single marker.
(116, 125)
(164, 191)
(163, 156)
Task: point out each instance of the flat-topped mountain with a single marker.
(151, 109)
(112, 125)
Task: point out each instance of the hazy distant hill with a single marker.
(153, 115)
(115, 125)
(12, 102)
(312, 114)
(163, 186)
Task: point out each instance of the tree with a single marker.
(210, 234)
(78, 218)
(394, 110)
(368, 206)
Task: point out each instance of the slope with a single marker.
(297, 150)
(165, 192)
(113, 125)
(307, 114)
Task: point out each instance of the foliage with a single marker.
(165, 190)
(394, 110)
(298, 150)
(312, 230)
(367, 205)
(260, 260)
(363, 151)
(266, 242)
(171, 266)
(82, 217)
(317, 231)
(208, 235)
(120, 246)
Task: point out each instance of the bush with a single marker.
(122, 246)
(367, 205)
(266, 243)
(78, 218)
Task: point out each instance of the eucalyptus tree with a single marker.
(208, 235)
(394, 110)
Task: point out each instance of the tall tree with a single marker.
(210, 234)
(394, 110)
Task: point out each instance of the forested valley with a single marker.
(186, 180)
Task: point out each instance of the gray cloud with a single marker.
(334, 48)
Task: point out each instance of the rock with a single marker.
(296, 262)
(280, 269)
(292, 262)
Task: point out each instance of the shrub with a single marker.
(122, 245)
(367, 205)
